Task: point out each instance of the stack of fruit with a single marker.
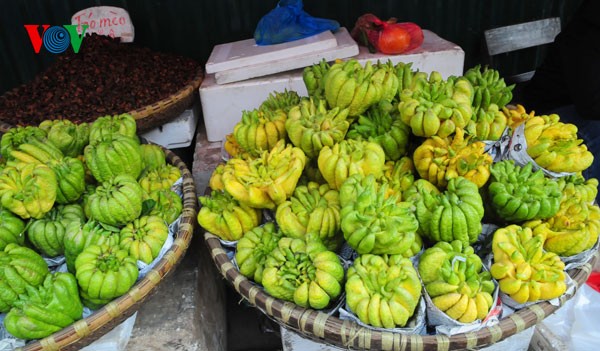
(436, 106)
(518, 194)
(490, 97)
(453, 215)
(391, 162)
(453, 278)
(576, 224)
(383, 291)
(438, 160)
(523, 269)
(554, 145)
(372, 222)
(90, 193)
(262, 128)
(313, 208)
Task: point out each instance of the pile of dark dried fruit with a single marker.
(106, 77)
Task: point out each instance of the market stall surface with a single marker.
(195, 308)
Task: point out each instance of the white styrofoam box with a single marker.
(346, 47)
(222, 104)
(177, 133)
(435, 54)
(244, 53)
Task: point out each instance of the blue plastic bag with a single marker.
(288, 22)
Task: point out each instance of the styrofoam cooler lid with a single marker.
(244, 53)
(241, 60)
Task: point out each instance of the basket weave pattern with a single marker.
(347, 334)
(159, 113)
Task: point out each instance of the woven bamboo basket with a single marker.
(87, 330)
(328, 329)
(4, 127)
(160, 112)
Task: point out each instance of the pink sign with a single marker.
(105, 20)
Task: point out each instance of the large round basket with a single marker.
(328, 329)
(163, 111)
(158, 113)
(87, 330)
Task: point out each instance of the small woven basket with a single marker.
(160, 112)
(327, 329)
(87, 330)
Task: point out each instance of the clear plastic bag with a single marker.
(574, 326)
(289, 22)
(585, 333)
(116, 339)
(557, 327)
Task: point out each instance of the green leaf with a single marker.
(110, 228)
(147, 206)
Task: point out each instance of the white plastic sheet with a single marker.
(517, 151)
(575, 325)
(585, 333)
(116, 339)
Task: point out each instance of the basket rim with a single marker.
(86, 330)
(183, 93)
(348, 334)
(145, 113)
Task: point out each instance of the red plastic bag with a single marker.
(388, 37)
(594, 281)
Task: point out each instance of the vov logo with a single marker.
(56, 39)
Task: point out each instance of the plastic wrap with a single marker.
(517, 151)
(585, 333)
(288, 22)
(116, 339)
(508, 301)
(516, 342)
(444, 324)
(581, 258)
(415, 325)
(498, 149)
(556, 328)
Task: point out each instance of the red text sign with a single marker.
(106, 20)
